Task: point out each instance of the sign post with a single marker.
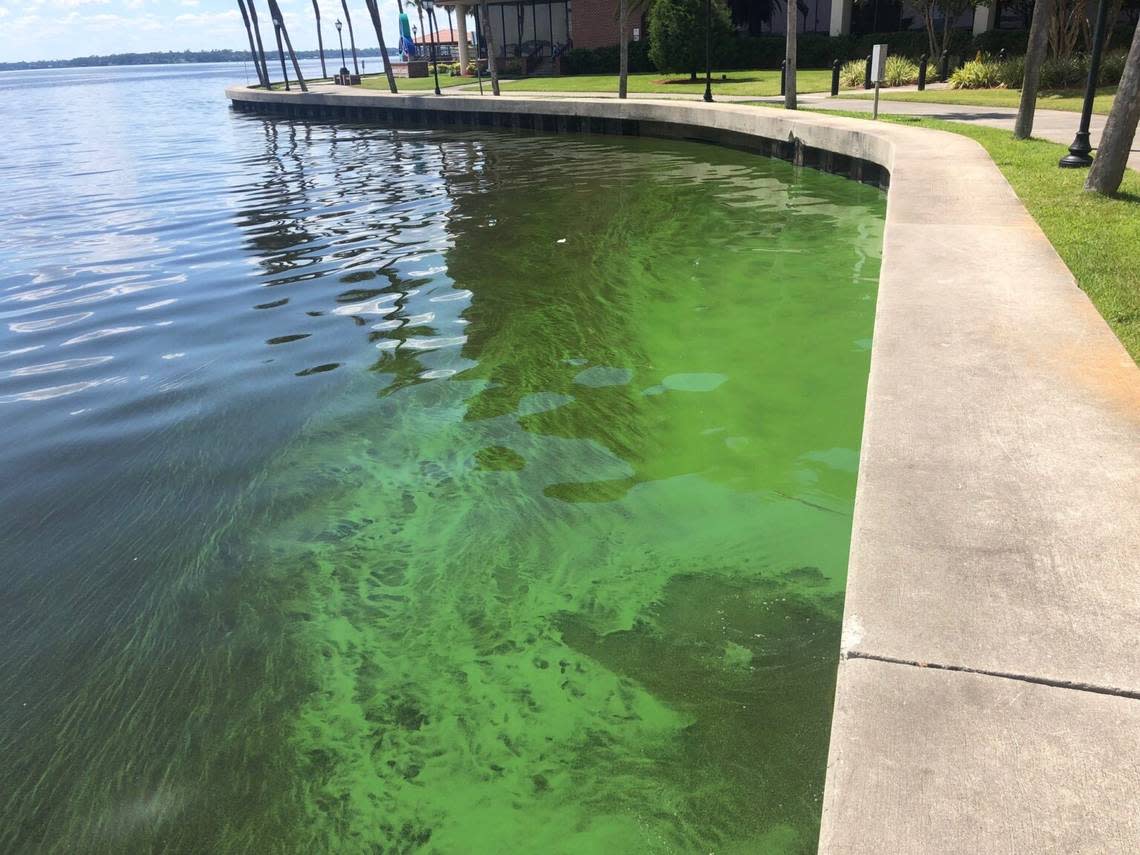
(878, 72)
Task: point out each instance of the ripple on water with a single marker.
(350, 502)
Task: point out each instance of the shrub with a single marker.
(1112, 68)
(606, 60)
(1011, 72)
(976, 74)
(852, 74)
(900, 71)
(1057, 73)
(991, 43)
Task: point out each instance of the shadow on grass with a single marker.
(669, 81)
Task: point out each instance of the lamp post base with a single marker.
(1079, 156)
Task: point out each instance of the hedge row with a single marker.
(814, 50)
(605, 60)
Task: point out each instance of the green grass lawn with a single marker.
(411, 84)
(1069, 99)
(758, 82)
(1096, 236)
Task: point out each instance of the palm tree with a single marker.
(252, 48)
(351, 37)
(374, 14)
(279, 25)
(320, 40)
(623, 49)
(1034, 57)
(420, 12)
(490, 37)
(790, 57)
(260, 47)
(1112, 154)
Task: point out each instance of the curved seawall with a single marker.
(989, 689)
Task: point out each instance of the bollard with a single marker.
(867, 74)
(922, 73)
(835, 78)
(783, 78)
(944, 73)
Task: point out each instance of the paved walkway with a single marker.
(1057, 126)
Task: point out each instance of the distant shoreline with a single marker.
(188, 57)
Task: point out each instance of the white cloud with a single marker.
(208, 19)
(3, 12)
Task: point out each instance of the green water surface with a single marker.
(554, 560)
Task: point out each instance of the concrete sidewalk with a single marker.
(1057, 126)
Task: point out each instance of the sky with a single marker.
(61, 29)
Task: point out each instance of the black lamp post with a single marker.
(708, 50)
(1078, 155)
(429, 7)
(343, 61)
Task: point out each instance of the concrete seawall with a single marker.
(988, 697)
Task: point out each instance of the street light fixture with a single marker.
(708, 51)
(1078, 155)
(343, 61)
(429, 7)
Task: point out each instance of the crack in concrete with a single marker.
(1024, 678)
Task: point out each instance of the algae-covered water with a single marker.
(411, 491)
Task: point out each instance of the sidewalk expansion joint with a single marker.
(1023, 678)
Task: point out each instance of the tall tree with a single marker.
(790, 57)
(625, 9)
(374, 14)
(623, 49)
(282, 32)
(1112, 155)
(352, 37)
(489, 35)
(1034, 57)
(420, 12)
(260, 47)
(950, 10)
(677, 34)
(320, 38)
(252, 48)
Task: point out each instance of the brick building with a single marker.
(543, 31)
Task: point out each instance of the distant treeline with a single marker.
(169, 57)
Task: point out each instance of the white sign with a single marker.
(878, 63)
(637, 34)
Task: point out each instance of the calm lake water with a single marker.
(371, 490)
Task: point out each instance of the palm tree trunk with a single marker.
(260, 47)
(423, 32)
(1034, 56)
(490, 37)
(623, 50)
(320, 39)
(374, 14)
(351, 37)
(279, 22)
(252, 48)
(1112, 154)
(790, 57)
